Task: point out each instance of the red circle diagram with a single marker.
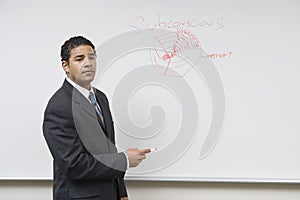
(174, 51)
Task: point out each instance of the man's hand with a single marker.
(136, 156)
(124, 198)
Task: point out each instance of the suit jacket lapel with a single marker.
(106, 113)
(79, 99)
(83, 103)
(91, 128)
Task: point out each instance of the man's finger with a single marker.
(144, 151)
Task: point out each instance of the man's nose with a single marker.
(87, 62)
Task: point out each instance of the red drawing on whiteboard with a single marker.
(217, 55)
(139, 22)
(173, 51)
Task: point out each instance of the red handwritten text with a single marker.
(139, 22)
(217, 55)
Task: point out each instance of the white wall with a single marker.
(41, 190)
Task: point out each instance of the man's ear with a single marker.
(65, 66)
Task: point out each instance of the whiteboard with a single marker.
(214, 86)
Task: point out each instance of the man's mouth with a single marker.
(88, 72)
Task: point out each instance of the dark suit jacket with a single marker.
(86, 162)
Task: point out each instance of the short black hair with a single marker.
(72, 43)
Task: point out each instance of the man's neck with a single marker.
(80, 84)
(87, 86)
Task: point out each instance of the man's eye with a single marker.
(78, 59)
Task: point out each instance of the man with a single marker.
(78, 129)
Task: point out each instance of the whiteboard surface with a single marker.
(251, 49)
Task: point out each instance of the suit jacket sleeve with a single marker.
(68, 151)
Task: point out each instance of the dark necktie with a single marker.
(97, 108)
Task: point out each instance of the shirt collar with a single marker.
(82, 90)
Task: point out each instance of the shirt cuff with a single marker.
(128, 164)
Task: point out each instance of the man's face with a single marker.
(81, 67)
